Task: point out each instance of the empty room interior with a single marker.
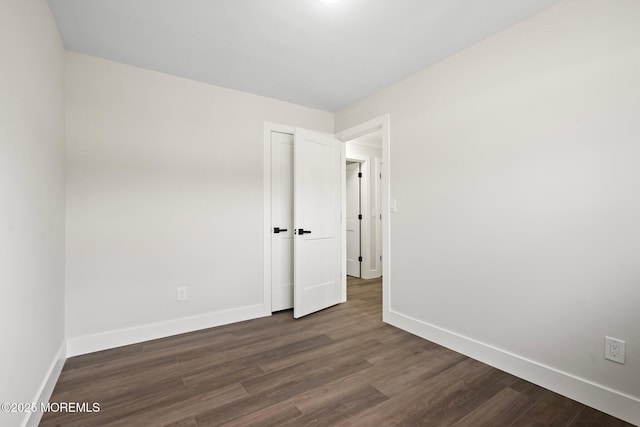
(179, 241)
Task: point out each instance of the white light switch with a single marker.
(393, 205)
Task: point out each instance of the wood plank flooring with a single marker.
(339, 367)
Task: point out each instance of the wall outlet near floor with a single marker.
(182, 293)
(614, 349)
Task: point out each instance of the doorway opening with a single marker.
(374, 133)
(363, 217)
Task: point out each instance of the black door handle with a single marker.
(303, 231)
(277, 230)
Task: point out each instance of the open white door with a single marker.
(317, 218)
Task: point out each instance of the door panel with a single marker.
(317, 208)
(353, 222)
(281, 217)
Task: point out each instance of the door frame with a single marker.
(382, 124)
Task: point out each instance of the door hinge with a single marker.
(360, 259)
(359, 174)
(359, 216)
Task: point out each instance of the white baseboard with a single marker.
(46, 388)
(117, 338)
(584, 391)
(371, 274)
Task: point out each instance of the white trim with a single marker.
(582, 390)
(46, 388)
(383, 124)
(119, 337)
(365, 128)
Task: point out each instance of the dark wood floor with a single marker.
(339, 367)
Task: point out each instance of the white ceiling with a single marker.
(308, 52)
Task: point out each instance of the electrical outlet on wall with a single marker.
(614, 349)
(182, 293)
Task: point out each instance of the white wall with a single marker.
(515, 165)
(31, 202)
(164, 189)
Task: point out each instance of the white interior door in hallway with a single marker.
(354, 219)
(306, 209)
